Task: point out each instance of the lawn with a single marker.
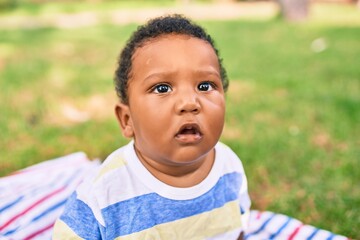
(293, 106)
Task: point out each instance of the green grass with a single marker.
(28, 7)
(292, 114)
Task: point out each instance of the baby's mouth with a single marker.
(189, 133)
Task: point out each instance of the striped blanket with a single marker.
(31, 199)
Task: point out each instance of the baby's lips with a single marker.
(189, 138)
(189, 128)
(189, 134)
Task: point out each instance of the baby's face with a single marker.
(176, 99)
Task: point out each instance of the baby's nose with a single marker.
(188, 104)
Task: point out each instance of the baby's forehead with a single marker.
(170, 46)
(170, 37)
(168, 41)
(173, 57)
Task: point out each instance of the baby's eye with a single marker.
(162, 88)
(205, 86)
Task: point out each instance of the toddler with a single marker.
(174, 180)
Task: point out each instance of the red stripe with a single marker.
(27, 170)
(16, 173)
(296, 231)
(31, 207)
(40, 231)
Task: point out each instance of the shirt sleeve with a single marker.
(245, 203)
(244, 199)
(77, 221)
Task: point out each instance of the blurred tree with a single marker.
(7, 4)
(184, 2)
(294, 10)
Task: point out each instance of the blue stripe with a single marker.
(313, 234)
(148, 210)
(37, 190)
(11, 204)
(79, 217)
(261, 227)
(280, 229)
(10, 231)
(57, 205)
(242, 211)
(34, 193)
(331, 236)
(47, 211)
(37, 217)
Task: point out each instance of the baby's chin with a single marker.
(177, 155)
(188, 155)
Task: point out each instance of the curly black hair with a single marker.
(170, 24)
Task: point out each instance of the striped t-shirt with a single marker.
(125, 201)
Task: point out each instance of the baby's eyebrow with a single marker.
(158, 75)
(208, 72)
(169, 74)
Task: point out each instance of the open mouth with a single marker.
(189, 133)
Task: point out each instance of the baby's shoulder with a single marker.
(115, 161)
(113, 177)
(226, 155)
(225, 151)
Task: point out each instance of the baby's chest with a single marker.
(154, 217)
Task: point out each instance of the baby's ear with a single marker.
(123, 116)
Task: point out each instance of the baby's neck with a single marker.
(181, 176)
